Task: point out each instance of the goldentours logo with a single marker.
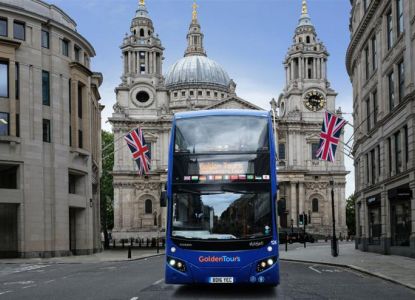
(219, 259)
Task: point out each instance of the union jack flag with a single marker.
(330, 136)
(139, 149)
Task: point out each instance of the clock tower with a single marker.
(304, 180)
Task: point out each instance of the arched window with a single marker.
(308, 39)
(315, 205)
(149, 32)
(141, 32)
(148, 206)
(300, 40)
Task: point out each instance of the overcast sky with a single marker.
(249, 38)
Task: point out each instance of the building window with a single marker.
(80, 101)
(142, 54)
(9, 177)
(175, 94)
(391, 86)
(142, 68)
(314, 149)
(405, 129)
(281, 151)
(80, 139)
(45, 39)
(390, 155)
(141, 32)
(3, 27)
(375, 225)
(401, 73)
(315, 205)
(46, 130)
(148, 206)
(216, 94)
(208, 93)
(400, 222)
(17, 125)
(65, 47)
(398, 152)
(183, 93)
(77, 51)
(374, 53)
(389, 31)
(399, 13)
(17, 81)
(367, 60)
(199, 93)
(375, 106)
(4, 79)
(379, 167)
(223, 96)
(191, 93)
(368, 116)
(19, 30)
(373, 165)
(4, 124)
(45, 88)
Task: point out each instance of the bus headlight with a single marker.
(264, 264)
(177, 264)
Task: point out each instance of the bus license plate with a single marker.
(220, 279)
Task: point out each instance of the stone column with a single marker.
(392, 141)
(300, 67)
(314, 68)
(319, 68)
(293, 200)
(129, 62)
(74, 113)
(365, 225)
(403, 137)
(301, 198)
(287, 75)
(385, 220)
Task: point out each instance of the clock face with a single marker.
(314, 100)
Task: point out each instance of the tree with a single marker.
(107, 190)
(351, 214)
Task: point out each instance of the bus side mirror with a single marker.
(163, 199)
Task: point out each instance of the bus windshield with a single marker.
(221, 134)
(226, 212)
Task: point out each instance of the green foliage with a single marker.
(107, 191)
(351, 214)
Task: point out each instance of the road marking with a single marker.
(5, 292)
(19, 282)
(134, 298)
(158, 281)
(49, 281)
(315, 270)
(28, 286)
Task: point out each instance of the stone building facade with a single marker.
(380, 63)
(304, 181)
(148, 99)
(50, 124)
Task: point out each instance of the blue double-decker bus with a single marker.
(221, 190)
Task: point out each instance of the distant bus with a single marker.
(221, 191)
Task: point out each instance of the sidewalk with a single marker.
(105, 256)
(398, 269)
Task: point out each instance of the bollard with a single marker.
(131, 242)
(122, 243)
(129, 252)
(113, 243)
(286, 241)
(158, 246)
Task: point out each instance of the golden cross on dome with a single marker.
(304, 9)
(142, 2)
(194, 13)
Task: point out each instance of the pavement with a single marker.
(397, 269)
(111, 255)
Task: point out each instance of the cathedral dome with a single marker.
(196, 69)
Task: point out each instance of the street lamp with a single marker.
(334, 248)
